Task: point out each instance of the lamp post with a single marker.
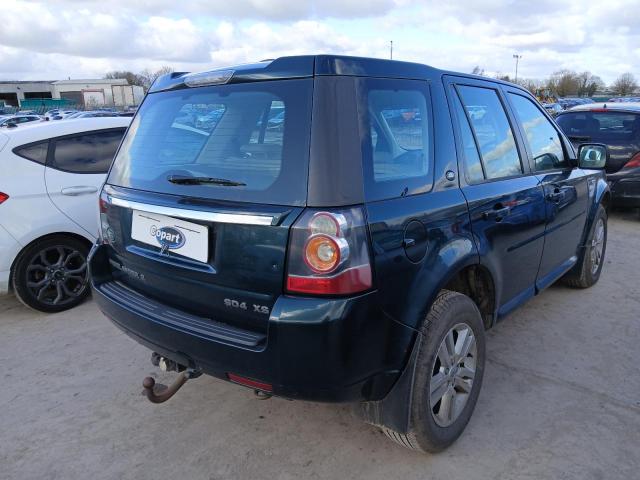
(391, 49)
(517, 57)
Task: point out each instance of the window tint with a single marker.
(254, 134)
(87, 153)
(604, 127)
(472, 164)
(493, 132)
(397, 152)
(36, 152)
(399, 134)
(543, 139)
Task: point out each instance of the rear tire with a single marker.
(51, 274)
(587, 272)
(445, 392)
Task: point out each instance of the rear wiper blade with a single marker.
(184, 180)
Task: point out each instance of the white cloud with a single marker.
(60, 38)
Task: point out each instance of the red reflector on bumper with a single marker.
(247, 382)
(353, 280)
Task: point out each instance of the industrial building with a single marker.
(81, 93)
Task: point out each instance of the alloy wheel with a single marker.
(453, 372)
(597, 246)
(57, 275)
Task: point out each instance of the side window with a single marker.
(543, 139)
(493, 133)
(397, 158)
(36, 152)
(87, 153)
(472, 165)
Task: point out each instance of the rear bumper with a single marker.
(334, 350)
(625, 190)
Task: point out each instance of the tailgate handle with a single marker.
(79, 190)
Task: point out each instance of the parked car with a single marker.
(552, 108)
(624, 100)
(92, 114)
(51, 173)
(62, 114)
(342, 258)
(617, 126)
(13, 120)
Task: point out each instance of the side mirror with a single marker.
(593, 156)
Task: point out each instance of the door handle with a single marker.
(79, 190)
(497, 213)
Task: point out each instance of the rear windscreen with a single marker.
(605, 127)
(251, 140)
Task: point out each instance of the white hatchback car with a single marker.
(50, 176)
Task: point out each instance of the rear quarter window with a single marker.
(397, 152)
(36, 152)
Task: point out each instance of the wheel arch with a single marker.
(476, 282)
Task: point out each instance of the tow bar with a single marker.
(164, 393)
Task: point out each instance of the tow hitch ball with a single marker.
(161, 393)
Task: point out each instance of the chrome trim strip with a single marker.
(218, 217)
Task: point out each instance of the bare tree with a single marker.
(533, 86)
(130, 77)
(588, 84)
(149, 77)
(625, 84)
(564, 83)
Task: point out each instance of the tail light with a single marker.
(329, 253)
(106, 233)
(3, 197)
(634, 162)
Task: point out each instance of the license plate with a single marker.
(171, 235)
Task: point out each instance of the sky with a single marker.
(58, 39)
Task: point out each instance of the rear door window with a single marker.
(250, 139)
(543, 139)
(397, 156)
(90, 152)
(492, 131)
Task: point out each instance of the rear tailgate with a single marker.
(202, 193)
(242, 272)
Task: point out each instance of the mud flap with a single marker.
(394, 411)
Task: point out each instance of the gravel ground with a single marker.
(560, 400)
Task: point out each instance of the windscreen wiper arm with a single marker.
(184, 180)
